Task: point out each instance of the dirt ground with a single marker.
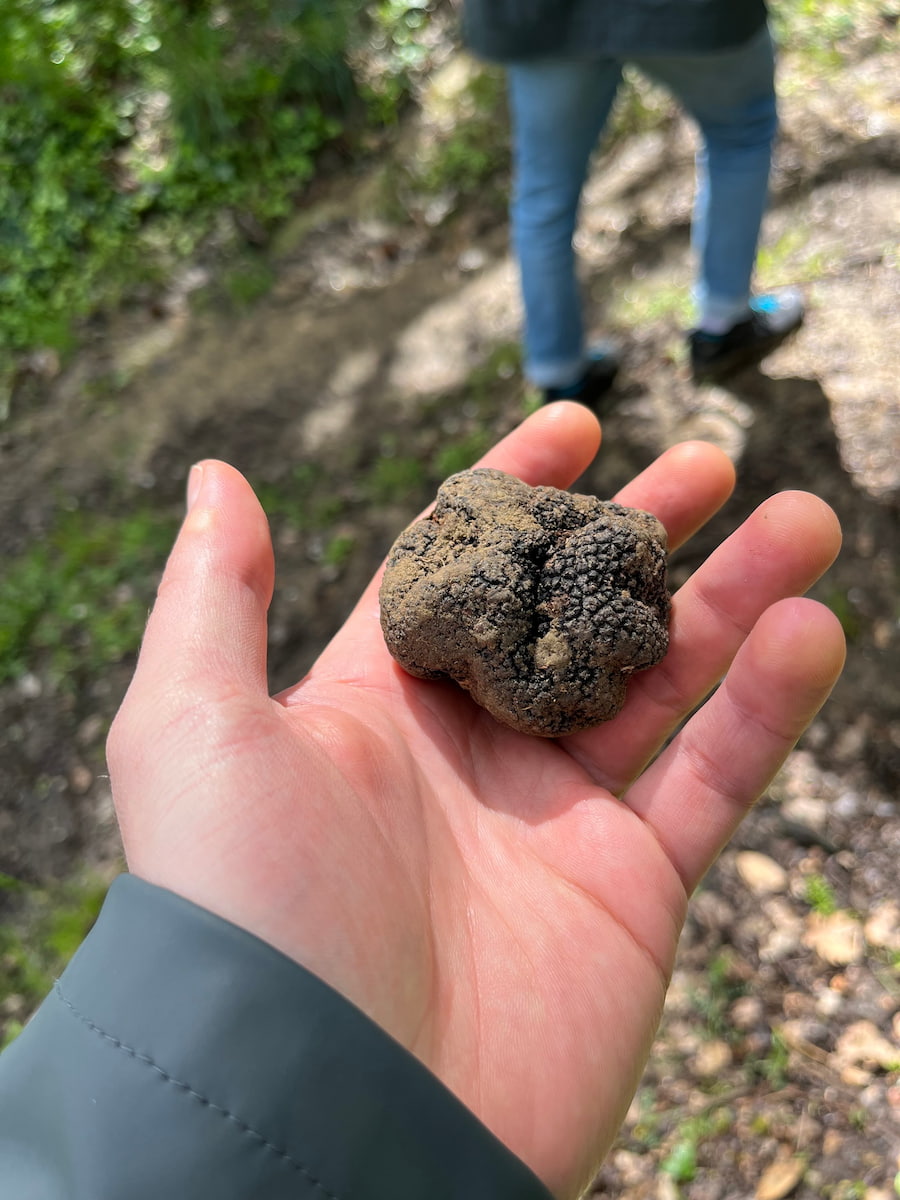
(776, 1068)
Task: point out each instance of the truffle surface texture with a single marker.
(539, 602)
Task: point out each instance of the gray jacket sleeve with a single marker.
(181, 1057)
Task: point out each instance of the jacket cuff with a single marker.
(179, 1052)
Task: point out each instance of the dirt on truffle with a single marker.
(539, 602)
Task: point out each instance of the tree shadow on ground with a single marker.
(790, 443)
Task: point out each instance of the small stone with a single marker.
(762, 875)
(91, 730)
(746, 1013)
(832, 1143)
(539, 602)
(837, 938)
(780, 1178)
(807, 810)
(863, 1044)
(29, 686)
(883, 926)
(784, 933)
(666, 1188)
(632, 1167)
(711, 1059)
(80, 779)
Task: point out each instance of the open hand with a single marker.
(506, 907)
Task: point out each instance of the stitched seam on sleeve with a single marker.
(242, 1126)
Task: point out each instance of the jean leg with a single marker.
(731, 95)
(558, 109)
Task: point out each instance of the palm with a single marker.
(506, 907)
(534, 916)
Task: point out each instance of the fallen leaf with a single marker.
(780, 1178)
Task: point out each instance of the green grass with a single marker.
(822, 32)
(248, 280)
(774, 1067)
(476, 146)
(651, 300)
(680, 1164)
(134, 133)
(77, 600)
(338, 550)
(305, 500)
(51, 924)
(392, 477)
(460, 455)
(820, 896)
(846, 612)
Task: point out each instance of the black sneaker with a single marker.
(598, 378)
(774, 316)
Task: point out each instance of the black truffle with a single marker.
(539, 602)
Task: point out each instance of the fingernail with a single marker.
(194, 483)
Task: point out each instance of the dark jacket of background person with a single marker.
(510, 30)
(181, 1058)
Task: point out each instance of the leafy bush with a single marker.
(127, 128)
(70, 602)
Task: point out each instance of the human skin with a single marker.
(506, 907)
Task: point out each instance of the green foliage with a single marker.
(396, 51)
(640, 106)
(723, 988)
(822, 30)
(774, 1067)
(647, 1131)
(476, 147)
(338, 550)
(850, 1189)
(820, 895)
(393, 477)
(249, 279)
(681, 1162)
(128, 127)
(70, 601)
(305, 500)
(846, 612)
(459, 456)
(55, 921)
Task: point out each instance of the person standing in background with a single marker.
(564, 61)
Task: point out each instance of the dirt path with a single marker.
(377, 344)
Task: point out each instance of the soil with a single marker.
(380, 341)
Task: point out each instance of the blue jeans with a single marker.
(558, 111)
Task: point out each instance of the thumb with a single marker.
(207, 630)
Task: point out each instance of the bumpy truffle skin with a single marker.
(539, 602)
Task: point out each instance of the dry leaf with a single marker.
(780, 1179)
